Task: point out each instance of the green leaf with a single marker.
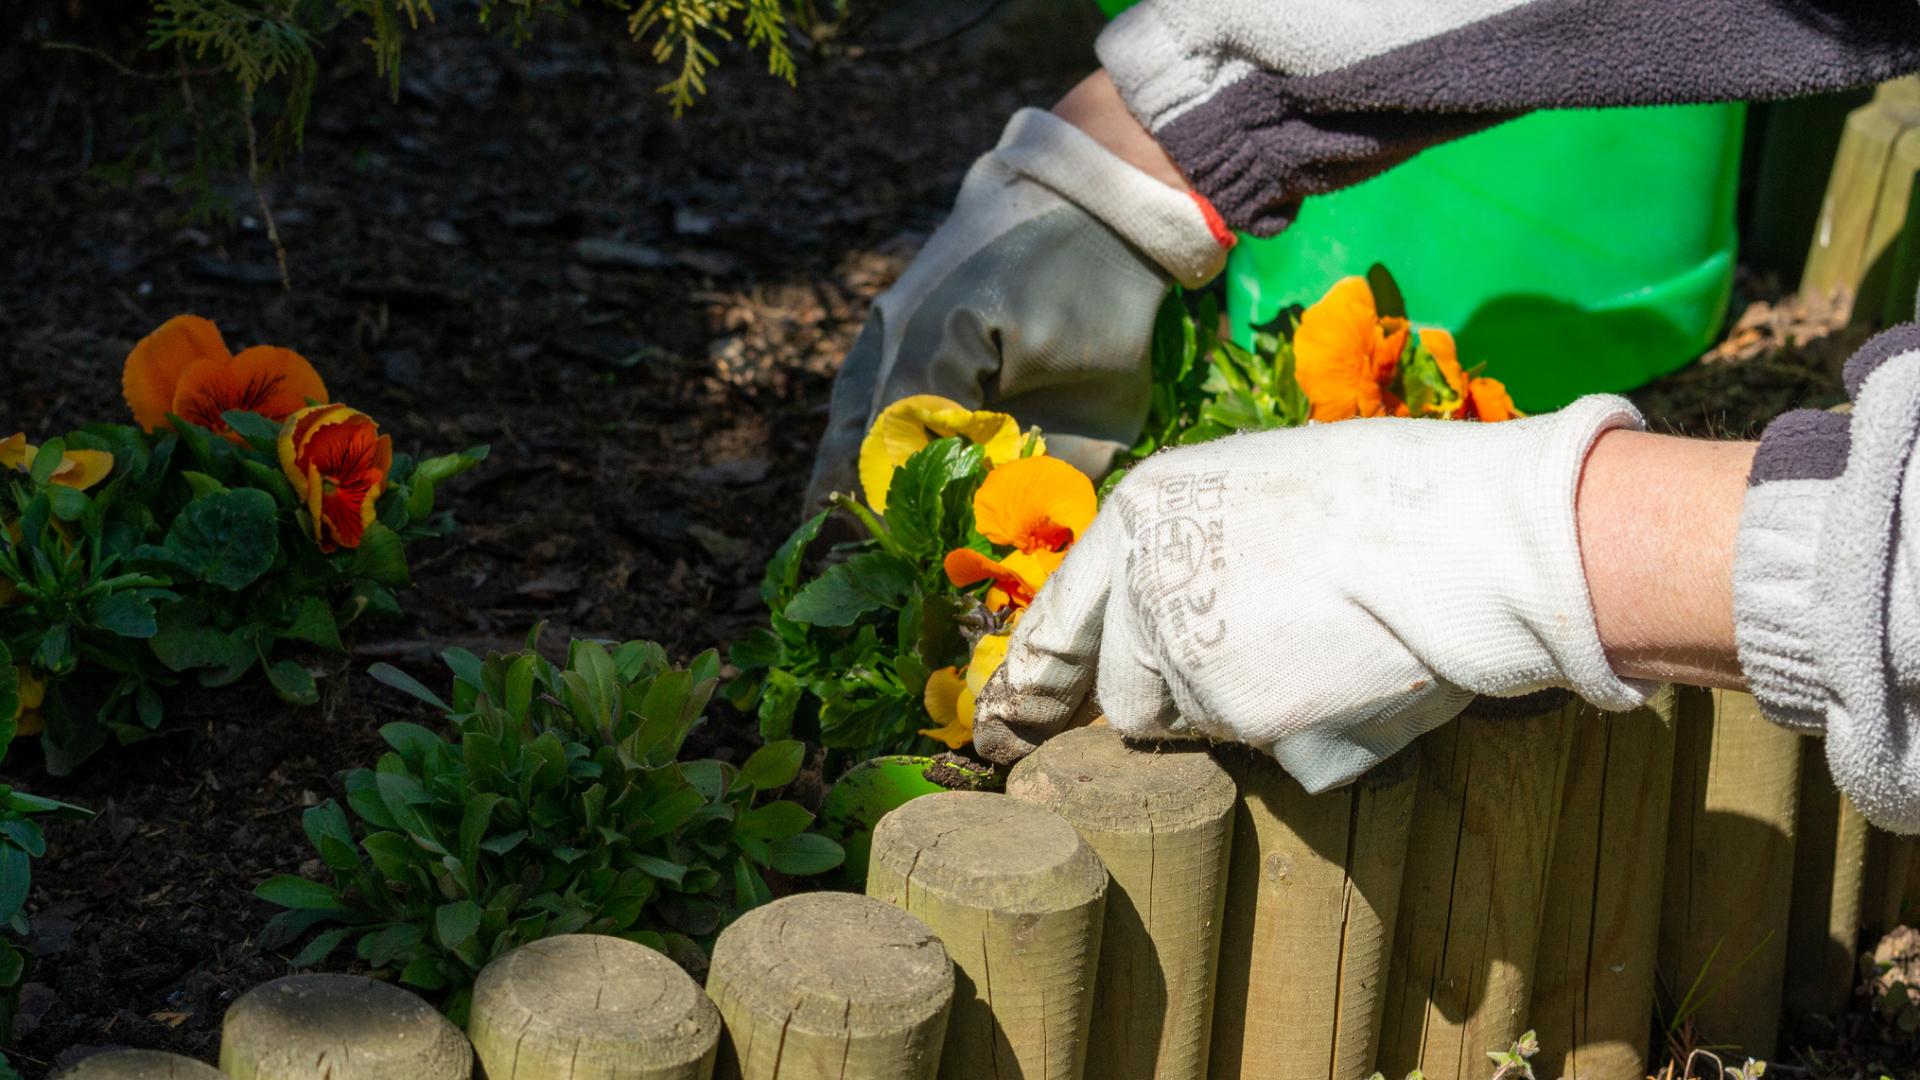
(293, 683)
(866, 582)
(228, 540)
(126, 614)
(664, 869)
(381, 557)
(749, 888)
(916, 508)
(779, 699)
(783, 570)
(774, 822)
(48, 459)
(808, 853)
(313, 622)
(16, 874)
(425, 972)
(323, 944)
(455, 924)
(407, 684)
(291, 891)
(185, 647)
(256, 429)
(773, 765)
(202, 485)
(67, 504)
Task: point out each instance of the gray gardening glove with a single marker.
(1036, 297)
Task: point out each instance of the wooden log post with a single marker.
(1823, 920)
(1862, 217)
(1593, 979)
(825, 985)
(339, 1027)
(587, 1004)
(1313, 887)
(1161, 819)
(1889, 866)
(1018, 899)
(141, 1065)
(1729, 881)
(1484, 818)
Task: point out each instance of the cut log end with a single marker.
(141, 1065)
(356, 1028)
(1098, 781)
(828, 985)
(996, 853)
(835, 963)
(585, 1003)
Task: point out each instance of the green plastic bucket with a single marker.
(1572, 252)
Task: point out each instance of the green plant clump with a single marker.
(559, 806)
(192, 562)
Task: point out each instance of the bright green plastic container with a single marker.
(1572, 251)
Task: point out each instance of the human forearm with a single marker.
(1094, 106)
(1658, 516)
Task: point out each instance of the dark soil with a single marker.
(652, 424)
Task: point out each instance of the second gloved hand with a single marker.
(1036, 297)
(1326, 594)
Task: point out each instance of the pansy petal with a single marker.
(15, 453)
(907, 425)
(1489, 402)
(988, 655)
(1034, 504)
(81, 469)
(155, 366)
(1334, 352)
(295, 432)
(276, 383)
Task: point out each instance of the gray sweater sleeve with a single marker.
(1263, 102)
(1826, 598)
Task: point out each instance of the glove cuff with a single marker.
(1181, 231)
(1563, 619)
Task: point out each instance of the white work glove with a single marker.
(1036, 297)
(1326, 594)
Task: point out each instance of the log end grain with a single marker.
(1099, 782)
(590, 1004)
(141, 1065)
(994, 853)
(342, 1027)
(831, 984)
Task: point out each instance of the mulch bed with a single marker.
(642, 316)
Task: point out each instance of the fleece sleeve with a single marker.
(1826, 589)
(1263, 102)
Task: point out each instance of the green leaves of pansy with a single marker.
(867, 582)
(933, 480)
(227, 539)
(783, 570)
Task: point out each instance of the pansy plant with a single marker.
(242, 516)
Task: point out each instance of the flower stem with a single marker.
(877, 528)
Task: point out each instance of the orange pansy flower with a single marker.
(32, 693)
(1482, 399)
(184, 368)
(1345, 353)
(951, 693)
(337, 461)
(1015, 578)
(1489, 402)
(1034, 504)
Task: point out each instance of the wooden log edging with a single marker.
(1484, 819)
(1312, 894)
(1829, 855)
(1729, 879)
(1161, 819)
(587, 1004)
(1594, 975)
(343, 1027)
(141, 1065)
(821, 986)
(1018, 898)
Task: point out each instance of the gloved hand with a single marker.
(1036, 297)
(1326, 594)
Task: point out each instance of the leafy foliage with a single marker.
(846, 655)
(194, 563)
(21, 841)
(558, 806)
(1206, 386)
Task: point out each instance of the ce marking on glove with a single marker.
(1185, 541)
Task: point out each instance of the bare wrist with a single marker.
(1095, 107)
